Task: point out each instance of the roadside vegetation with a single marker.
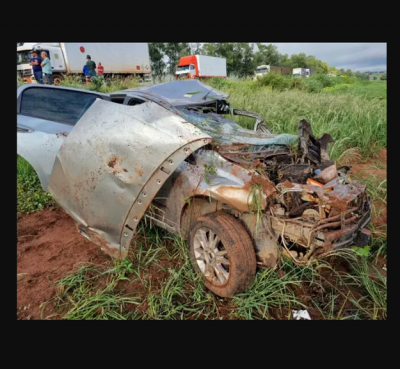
(157, 280)
(30, 195)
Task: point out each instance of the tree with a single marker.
(239, 56)
(156, 51)
(209, 49)
(361, 75)
(267, 55)
(341, 72)
(384, 77)
(284, 61)
(174, 51)
(298, 61)
(195, 48)
(349, 73)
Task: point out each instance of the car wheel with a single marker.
(222, 252)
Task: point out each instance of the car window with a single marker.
(57, 105)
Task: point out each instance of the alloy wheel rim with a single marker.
(211, 256)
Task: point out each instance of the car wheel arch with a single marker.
(199, 205)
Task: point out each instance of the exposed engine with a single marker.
(316, 207)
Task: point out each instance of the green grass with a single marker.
(30, 195)
(79, 295)
(369, 90)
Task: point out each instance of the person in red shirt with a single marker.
(100, 70)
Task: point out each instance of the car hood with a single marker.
(181, 93)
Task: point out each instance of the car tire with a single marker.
(222, 251)
(57, 79)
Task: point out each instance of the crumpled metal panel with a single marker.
(113, 163)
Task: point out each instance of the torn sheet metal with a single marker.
(333, 193)
(113, 163)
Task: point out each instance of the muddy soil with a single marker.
(376, 168)
(48, 248)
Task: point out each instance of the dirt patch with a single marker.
(383, 155)
(112, 162)
(369, 169)
(374, 168)
(48, 247)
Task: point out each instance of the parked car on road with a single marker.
(169, 153)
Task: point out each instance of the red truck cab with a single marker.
(187, 68)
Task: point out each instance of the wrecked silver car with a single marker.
(169, 154)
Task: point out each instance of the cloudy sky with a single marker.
(356, 56)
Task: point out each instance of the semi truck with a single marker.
(303, 72)
(68, 58)
(201, 66)
(264, 69)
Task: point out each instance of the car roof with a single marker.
(20, 89)
(180, 93)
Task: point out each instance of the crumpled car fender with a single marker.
(114, 162)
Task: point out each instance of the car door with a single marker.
(45, 117)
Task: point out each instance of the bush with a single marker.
(324, 80)
(336, 88)
(276, 81)
(96, 83)
(384, 77)
(312, 85)
(347, 80)
(296, 83)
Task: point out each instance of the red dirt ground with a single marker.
(378, 169)
(48, 247)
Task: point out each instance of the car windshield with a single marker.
(23, 57)
(182, 68)
(262, 70)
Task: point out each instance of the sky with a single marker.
(361, 57)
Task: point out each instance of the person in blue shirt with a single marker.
(35, 62)
(87, 74)
(46, 69)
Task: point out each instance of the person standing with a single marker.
(100, 70)
(35, 62)
(86, 73)
(46, 69)
(91, 66)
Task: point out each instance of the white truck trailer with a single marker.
(70, 57)
(303, 72)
